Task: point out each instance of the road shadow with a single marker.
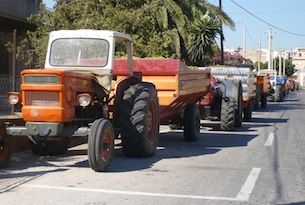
(269, 121)
(171, 146)
(294, 203)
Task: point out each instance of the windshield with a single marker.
(79, 52)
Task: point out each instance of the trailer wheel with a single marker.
(257, 98)
(191, 122)
(227, 119)
(248, 112)
(264, 100)
(239, 110)
(49, 147)
(100, 145)
(139, 120)
(5, 147)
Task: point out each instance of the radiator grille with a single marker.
(38, 98)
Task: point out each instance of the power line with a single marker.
(270, 25)
(270, 12)
(251, 38)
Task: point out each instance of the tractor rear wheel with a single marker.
(5, 146)
(227, 119)
(191, 122)
(100, 145)
(139, 120)
(278, 94)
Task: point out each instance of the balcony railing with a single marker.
(19, 9)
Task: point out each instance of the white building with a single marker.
(299, 61)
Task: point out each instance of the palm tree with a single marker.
(193, 26)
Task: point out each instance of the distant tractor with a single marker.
(263, 90)
(223, 102)
(278, 88)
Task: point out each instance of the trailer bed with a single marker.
(176, 83)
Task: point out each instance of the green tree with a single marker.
(194, 26)
(166, 28)
(289, 67)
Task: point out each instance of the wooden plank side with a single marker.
(194, 83)
(194, 90)
(197, 75)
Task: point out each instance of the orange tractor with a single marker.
(84, 91)
(73, 96)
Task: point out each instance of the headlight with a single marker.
(84, 99)
(13, 98)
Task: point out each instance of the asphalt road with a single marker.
(263, 162)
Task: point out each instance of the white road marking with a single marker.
(270, 139)
(243, 195)
(128, 192)
(246, 190)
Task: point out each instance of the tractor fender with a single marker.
(120, 87)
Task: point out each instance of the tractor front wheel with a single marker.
(239, 111)
(248, 112)
(264, 100)
(100, 145)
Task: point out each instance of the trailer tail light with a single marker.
(84, 99)
(13, 98)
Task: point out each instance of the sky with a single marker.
(285, 18)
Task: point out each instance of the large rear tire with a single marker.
(5, 146)
(101, 145)
(191, 122)
(278, 94)
(139, 120)
(227, 119)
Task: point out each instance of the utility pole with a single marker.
(244, 46)
(280, 63)
(284, 60)
(269, 49)
(221, 38)
(259, 53)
